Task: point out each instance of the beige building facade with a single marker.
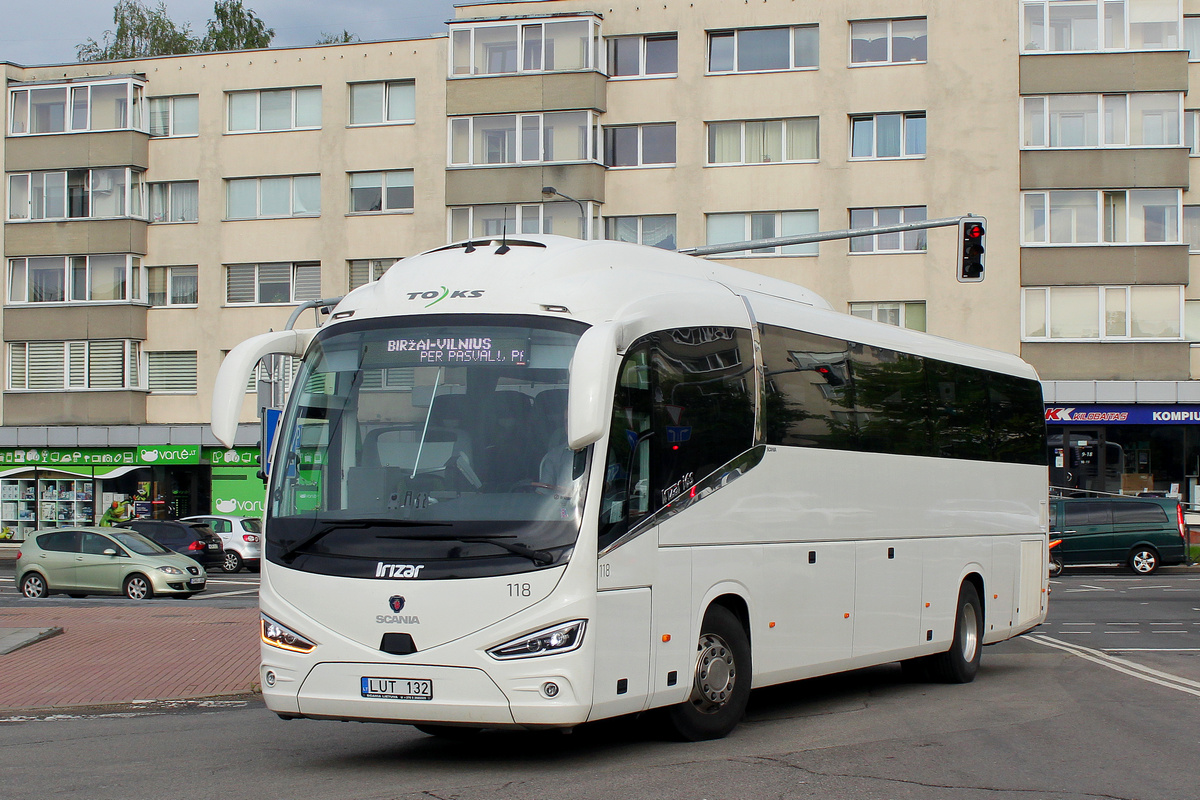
(159, 211)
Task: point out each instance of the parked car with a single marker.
(241, 538)
(193, 539)
(1142, 532)
(83, 561)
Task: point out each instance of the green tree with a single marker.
(345, 37)
(139, 32)
(235, 27)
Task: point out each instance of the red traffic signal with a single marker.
(971, 232)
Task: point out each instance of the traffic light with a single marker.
(970, 249)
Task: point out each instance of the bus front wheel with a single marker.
(720, 682)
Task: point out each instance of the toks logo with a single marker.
(437, 296)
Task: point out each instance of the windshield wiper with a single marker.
(540, 558)
(295, 547)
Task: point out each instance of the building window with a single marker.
(367, 270)
(1191, 124)
(905, 242)
(382, 102)
(656, 231)
(640, 145)
(265, 198)
(649, 56)
(74, 366)
(562, 218)
(1143, 119)
(904, 315)
(763, 49)
(1083, 25)
(887, 136)
(523, 138)
(171, 370)
(1191, 37)
(888, 41)
(75, 194)
(1191, 228)
(381, 191)
(1085, 216)
(175, 116)
(763, 141)
(75, 279)
(1091, 313)
(172, 286)
(177, 201)
(274, 110)
(730, 228)
(505, 48)
(250, 284)
(73, 107)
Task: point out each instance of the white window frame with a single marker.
(642, 39)
(181, 371)
(874, 309)
(1101, 314)
(525, 215)
(229, 186)
(890, 60)
(1191, 131)
(374, 267)
(256, 272)
(785, 251)
(639, 222)
(736, 34)
(77, 366)
(907, 214)
(169, 205)
(383, 191)
(20, 122)
(905, 117)
(134, 188)
(258, 93)
(519, 156)
(742, 162)
(388, 86)
(171, 101)
(17, 275)
(1102, 142)
(1029, 9)
(1191, 30)
(593, 57)
(1100, 219)
(641, 163)
(169, 277)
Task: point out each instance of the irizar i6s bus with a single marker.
(529, 484)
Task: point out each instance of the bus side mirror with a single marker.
(593, 375)
(229, 390)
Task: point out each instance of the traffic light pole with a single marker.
(824, 236)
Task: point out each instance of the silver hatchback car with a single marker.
(83, 561)
(240, 536)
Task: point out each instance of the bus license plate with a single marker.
(397, 688)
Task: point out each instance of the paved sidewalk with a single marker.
(108, 655)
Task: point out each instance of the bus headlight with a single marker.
(546, 642)
(284, 638)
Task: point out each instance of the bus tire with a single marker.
(720, 681)
(960, 663)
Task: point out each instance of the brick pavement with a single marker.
(124, 654)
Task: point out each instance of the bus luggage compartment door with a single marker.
(622, 644)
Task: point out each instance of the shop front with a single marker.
(47, 487)
(1125, 448)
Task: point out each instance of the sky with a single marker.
(34, 32)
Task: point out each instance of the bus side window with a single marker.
(626, 468)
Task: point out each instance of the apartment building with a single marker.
(158, 211)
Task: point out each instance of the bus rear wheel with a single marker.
(960, 663)
(720, 683)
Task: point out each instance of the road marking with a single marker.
(1152, 649)
(1122, 623)
(1138, 671)
(208, 596)
(1087, 623)
(1121, 633)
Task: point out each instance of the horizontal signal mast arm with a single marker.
(823, 236)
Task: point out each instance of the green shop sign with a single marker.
(235, 457)
(51, 457)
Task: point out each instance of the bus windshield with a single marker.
(431, 446)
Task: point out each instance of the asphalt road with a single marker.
(1113, 715)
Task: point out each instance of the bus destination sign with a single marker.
(455, 351)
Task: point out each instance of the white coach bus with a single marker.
(532, 483)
